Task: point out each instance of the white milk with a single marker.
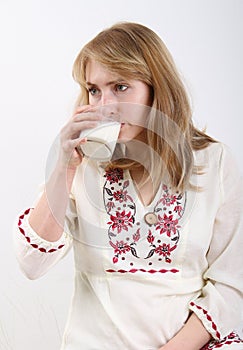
(101, 141)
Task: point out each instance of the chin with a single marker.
(123, 140)
(129, 133)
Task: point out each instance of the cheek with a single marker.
(145, 96)
(93, 101)
(139, 98)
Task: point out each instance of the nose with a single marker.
(108, 98)
(109, 105)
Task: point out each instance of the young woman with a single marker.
(156, 231)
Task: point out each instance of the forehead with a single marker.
(97, 73)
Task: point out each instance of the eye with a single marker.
(93, 91)
(121, 87)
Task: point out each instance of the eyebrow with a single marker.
(119, 80)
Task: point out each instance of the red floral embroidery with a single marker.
(136, 236)
(114, 175)
(121, 196)
(165, 251)
(119, 248)
(36, 246)
(121, 208)
(150, 237)
(121, 221)
(122, 248)
(168, 199)
(162, 249)
(178, 209)
(167, 224)
(110, 205)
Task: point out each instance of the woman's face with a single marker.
(108, 88)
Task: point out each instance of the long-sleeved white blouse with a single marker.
(140, 270)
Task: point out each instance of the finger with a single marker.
(70, 145)
(83, 141)
(73, 130)
(88, 115)
(78, 127)
(85, 109)
(78, 149)
(80, 109)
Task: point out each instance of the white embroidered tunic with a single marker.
(140, 270)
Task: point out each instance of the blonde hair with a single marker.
(136, 52)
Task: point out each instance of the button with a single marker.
(150, 218)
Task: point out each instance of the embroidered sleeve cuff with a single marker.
(34, 240)
(206, 319)
(232, 339)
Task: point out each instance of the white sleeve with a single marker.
(36, 255)
(220, 304)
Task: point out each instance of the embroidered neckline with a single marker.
(125, 230)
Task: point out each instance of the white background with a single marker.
(39, 40)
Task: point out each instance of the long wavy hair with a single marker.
(136, 52)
